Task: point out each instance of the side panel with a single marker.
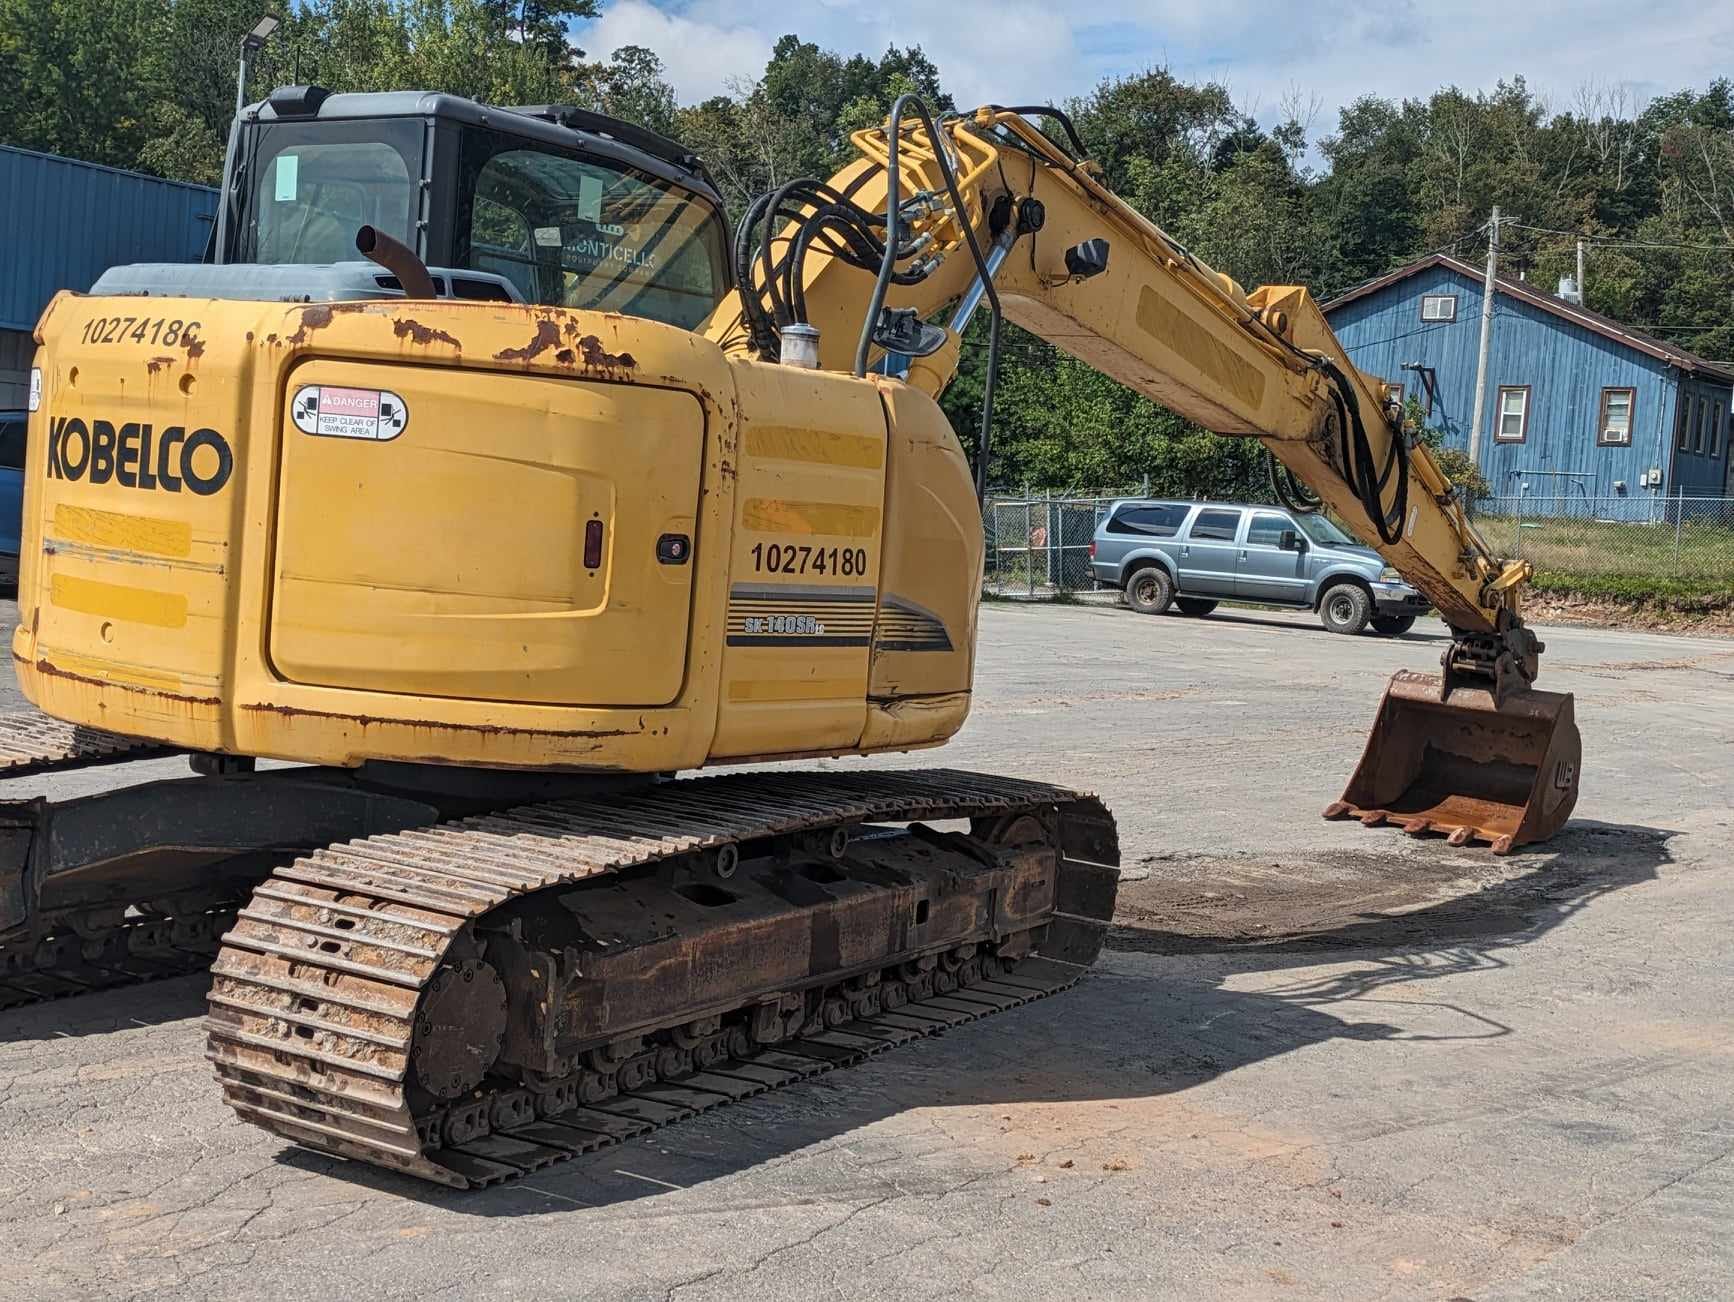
(804, 562)
(930, 579)
(449, 557)
(132, 510)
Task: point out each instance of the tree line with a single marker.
(149, 84)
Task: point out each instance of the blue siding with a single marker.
(67, 222)
(1566, 367)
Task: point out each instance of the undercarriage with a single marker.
(463, 976)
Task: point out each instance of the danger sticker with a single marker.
(372, 414)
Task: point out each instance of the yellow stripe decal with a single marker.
(832, 519)
(805, 689)
(111, 671)
(135, 605)
(131, 533)
(782, 443)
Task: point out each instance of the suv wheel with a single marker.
(1345, 608)
(1149, 590)
(1195, 605)
(1392, 625)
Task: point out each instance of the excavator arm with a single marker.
(986, 208)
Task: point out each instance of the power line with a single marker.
(1615, 241)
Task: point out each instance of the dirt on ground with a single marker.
(1592, 612)
(1348, 900)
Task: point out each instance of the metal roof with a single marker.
(1582, 316)
(68, 221)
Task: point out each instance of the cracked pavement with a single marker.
(1315, 1061)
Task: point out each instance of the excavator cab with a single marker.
(547, 205)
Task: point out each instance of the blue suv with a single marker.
(1195, 554)
(11, 493)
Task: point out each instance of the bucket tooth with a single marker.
(1503, 771)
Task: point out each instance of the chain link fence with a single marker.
(1038, 544)
(1688, 539)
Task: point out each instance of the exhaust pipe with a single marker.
(398, 259)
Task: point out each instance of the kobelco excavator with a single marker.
(481, 475)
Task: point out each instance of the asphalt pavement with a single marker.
(1316, 1060)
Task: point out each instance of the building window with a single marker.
(1614, 425)
(1716, 433)
(1684, 439)
(1438, 307)
(1703, 420)
(1513, 414)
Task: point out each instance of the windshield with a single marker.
(577, 231)
(313, 187)
(1323, 532)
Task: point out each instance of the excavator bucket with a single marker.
(1469, 766)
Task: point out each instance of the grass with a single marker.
(1620, 561)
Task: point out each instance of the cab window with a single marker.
(578, 231)
(1215, 526)
(1148, 521)
(1266, 530)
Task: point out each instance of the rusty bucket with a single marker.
(1469, 767)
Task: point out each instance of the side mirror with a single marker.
(1290, 541)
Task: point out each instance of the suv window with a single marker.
(11, 444)
(1216, 525)
(1267, 530)
(1149, 521)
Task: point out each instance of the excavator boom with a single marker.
(1475, 751)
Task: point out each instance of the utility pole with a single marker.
(1486, 339)
(1582, 297)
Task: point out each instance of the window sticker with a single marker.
(288, 177)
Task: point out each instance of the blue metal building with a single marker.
(1577, 404)
(66, 223)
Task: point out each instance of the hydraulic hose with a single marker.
(1360, 470)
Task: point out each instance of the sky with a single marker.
(1023, 51)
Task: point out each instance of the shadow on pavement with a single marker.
(1117, 1036)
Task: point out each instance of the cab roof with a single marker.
(560, 125)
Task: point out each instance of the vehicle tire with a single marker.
(1345, 608)
(1392, 625)
(1149, 590)
(1195, 606)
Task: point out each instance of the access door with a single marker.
(1266, 572)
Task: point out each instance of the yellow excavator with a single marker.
(484, 477)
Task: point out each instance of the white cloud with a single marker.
(1033, 50)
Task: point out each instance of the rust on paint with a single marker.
(156, 364)
(547, 336)
(433, 725)
(312, 318)
(597, 358)
(565, 357)
(48, 669)
(422, 335)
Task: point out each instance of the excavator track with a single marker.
(471, 1001)
(143, 940)
(32, 742)
(152, 940)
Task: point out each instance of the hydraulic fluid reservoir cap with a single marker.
(801, 346)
